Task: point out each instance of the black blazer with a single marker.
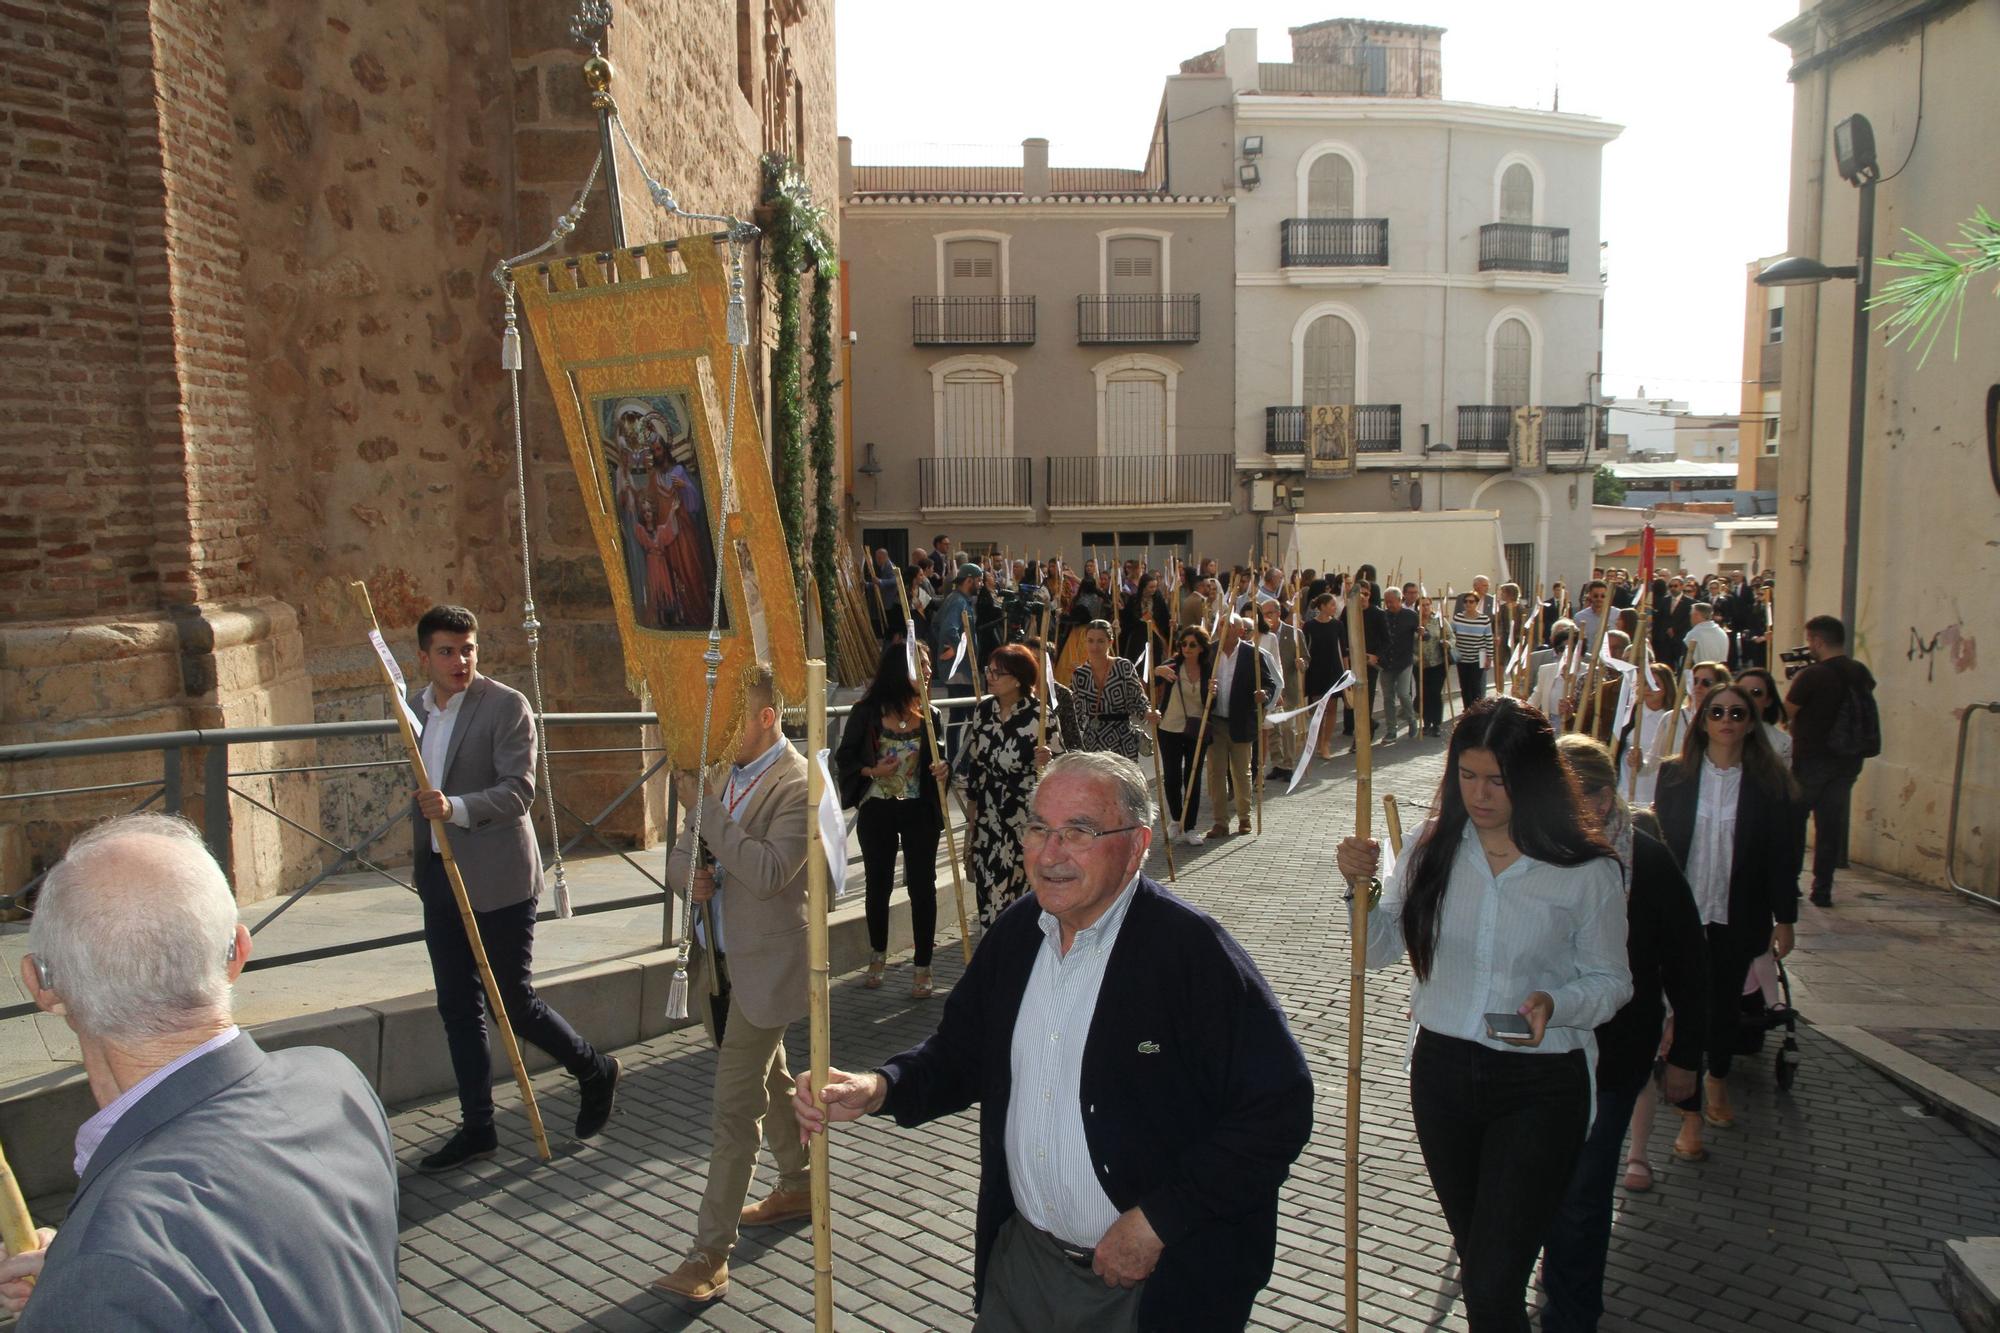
(1668, 953)
(858, 750)
(1763, 874)
(1196, 1099)
(1243, 687)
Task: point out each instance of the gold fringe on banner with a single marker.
(635, 347)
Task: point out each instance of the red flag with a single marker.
(1646, 547)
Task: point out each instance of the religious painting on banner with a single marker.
(639, 363)
(1330, 440)
(1527, 435)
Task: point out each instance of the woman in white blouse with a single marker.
(1728, 812)
(1511, 910)
(1643, 745)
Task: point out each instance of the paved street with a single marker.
(1823, 1209)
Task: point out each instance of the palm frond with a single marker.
(1934, 283)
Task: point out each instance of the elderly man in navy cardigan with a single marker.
(1141, 1096)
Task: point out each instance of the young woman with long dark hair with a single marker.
(1728, 810)
(1509, 904)
(1182, 685)
(884, 768)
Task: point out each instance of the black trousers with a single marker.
(1180, 767)
(1431, 694)
(1827, 786)
(1500, 1133)
(1580, 1238)
(1471, 683)
(1728, 965)
(883, 827)
(509, 936)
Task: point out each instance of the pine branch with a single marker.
(1935, 284)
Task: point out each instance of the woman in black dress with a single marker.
(996, 771)
(1110, 699)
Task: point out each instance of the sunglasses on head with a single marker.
(1728, 713)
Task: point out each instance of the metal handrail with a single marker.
(1958, 790)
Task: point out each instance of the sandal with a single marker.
(920, 985)
(1690, 1155)
(876, 966)
(1638, 1175)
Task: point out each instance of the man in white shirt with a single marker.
(1706, 640)
(1141, 1099)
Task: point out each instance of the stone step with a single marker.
(1972, 1282)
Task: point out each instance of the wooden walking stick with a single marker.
(944, 803)
(1160, 781)
(1042, 683)
(1589, 697)
(497, 1010)
(1393, 818)
(1257, 749)
(1357, 993)
(818, 997)
(17, 1225)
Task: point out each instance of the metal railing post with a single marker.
(170, 779)
(215, 828)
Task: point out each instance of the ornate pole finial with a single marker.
(591, 26)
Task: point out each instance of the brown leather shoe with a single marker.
(1220, 830)
(781, 1206)
(699, 1280)
(1242, 826)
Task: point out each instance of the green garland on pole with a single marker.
(798, 241)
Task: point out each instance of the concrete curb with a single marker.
(1972, 1282)
(1962, 1103)
(399, 1044)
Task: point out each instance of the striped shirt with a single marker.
(1472, 637)
(1048, 1157)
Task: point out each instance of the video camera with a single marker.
(1795, 660)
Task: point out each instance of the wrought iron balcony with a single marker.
(1334, 242)
(1378, 429)
(1174, 318)
(1113, 483)
(1515, 247)
(976, 483)
(972, 321)
(1489, 428)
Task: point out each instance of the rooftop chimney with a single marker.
(1034, 168)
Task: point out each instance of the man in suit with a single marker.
(478, 744)
(748, 977)
(219, 1185)
(1141, 1099)
(1243, 678)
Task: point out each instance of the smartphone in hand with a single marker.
(1509, 1027)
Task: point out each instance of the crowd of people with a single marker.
(1641, 812)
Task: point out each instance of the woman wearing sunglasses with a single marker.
(1728, 811)
(1181, 686)
(1762, 687)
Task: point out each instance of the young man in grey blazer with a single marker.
(219, 1185)
(478, 743)
(752, 940)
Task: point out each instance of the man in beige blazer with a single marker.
(751, 902)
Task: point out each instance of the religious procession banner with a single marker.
(1330, 440)
(1527, 439)
(635, 347)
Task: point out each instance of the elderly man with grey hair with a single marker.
(219, 1185)
(1141, 1098)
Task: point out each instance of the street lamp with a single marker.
(1854, 156)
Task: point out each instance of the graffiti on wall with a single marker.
(1958, 648)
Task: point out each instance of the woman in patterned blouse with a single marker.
(995, 772)
(1110, 698)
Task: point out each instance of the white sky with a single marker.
(1693, 189)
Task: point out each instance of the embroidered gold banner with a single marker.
(639, 363)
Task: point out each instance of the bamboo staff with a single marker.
(1160, 779)
(1357, 998)
(1394, 819)
(818, 970)
(1257, 749)
(1589, 696)
(497, 1011)
(1042, 670)
(17, 1225)
(944, 804)
(972, 656)
(1453, 704)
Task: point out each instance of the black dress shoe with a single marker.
(465, 1146)
(1821, 898)
(597, 1096)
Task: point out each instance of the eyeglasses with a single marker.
(1076, 839)
(1729, 713)
(1754, 691)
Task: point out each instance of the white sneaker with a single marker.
(1193, 839)
(1173, 828)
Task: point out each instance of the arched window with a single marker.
(1329, 361)
(1517, 194)
(1513, 363)
(1330, 187)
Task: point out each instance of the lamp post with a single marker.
(1854, 155)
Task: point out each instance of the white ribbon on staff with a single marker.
(396, 674)
(958, 656)
(1146, 662)
(1346, 682)
(1049, 677)
(910, 648)
(1311, 744)
(832, 827)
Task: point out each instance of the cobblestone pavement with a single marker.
(1824, 1208)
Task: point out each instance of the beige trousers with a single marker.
(753, 1099)
(1228, 769)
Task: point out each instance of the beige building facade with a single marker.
(1762, 410)
(1930, 482)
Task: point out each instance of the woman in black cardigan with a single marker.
(1668, 954)
(1728, 812)
(883, 767)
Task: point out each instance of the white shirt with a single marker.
(1650, 736)
(1587, 621)
(743, 780)
(91, 1134)
(1048, 1155)
(1781, 741)
(439, 723)
(1534, 927)
(1712, 854)
(1707, 642)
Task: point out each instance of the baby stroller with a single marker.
(1767, 1007)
